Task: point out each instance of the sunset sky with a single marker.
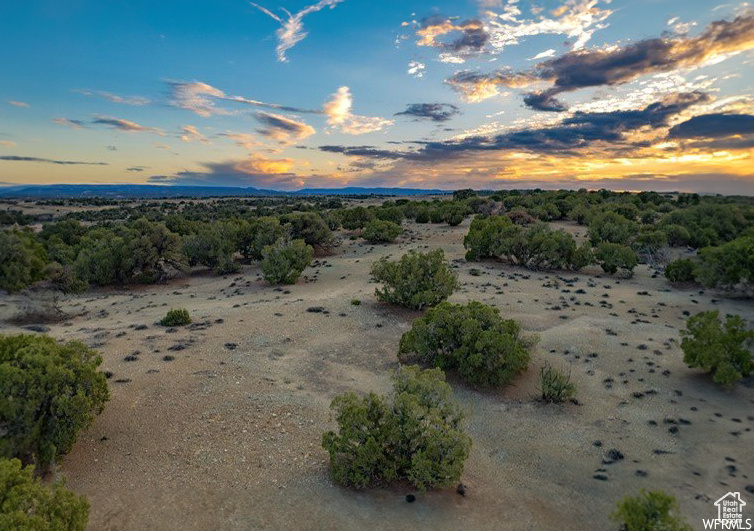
(622, 94)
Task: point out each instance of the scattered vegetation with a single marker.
(285, 260)
(416, 281)
(27, 504)
(176, 317)
(50, 392)
(416, 435)
(472, 339)
(723, 348)
(650, 511)
(555, 386)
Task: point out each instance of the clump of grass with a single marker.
(176, 317)
(555, 385)
(356, 302)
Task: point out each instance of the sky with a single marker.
(291, 94)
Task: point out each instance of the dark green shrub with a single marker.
(728, 265)
(417, 436)
(256, 234)
(650, 511)
(422, 215)
(213, 246)
(356, 302)
(485, 235)
(140, 252)
(536, 247)
(611, 257)
(554, 385)
(311, 228)
(356, 218)
(472, 339)
(49, 392)
(26, 504)
(379, 231)
(284, 261)
(463, 195)
(722, 348)
(681, 270)
(677, 235)
(22, 260)
(416, 281)
(611, 227)
(176, 318)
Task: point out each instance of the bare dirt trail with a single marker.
(226, 435)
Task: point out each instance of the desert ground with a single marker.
(217, 425)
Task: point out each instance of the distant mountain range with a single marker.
(134, 191)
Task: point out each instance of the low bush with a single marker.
(681, 270)
(284, 261)
(416, 436)
(555, 386)
(472, 339)
(650, 511)
(50, 392)
(724, 348)
(26, 504)
(728, 266)
(612, 257)
(379, 231)
(176, 318)
(416, 281)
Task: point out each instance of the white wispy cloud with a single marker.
(109, 96)
(73, 124)
(17, 103)
(340, 117)
(190, 133)
(8, 143)
(292, 30)
(125, 125)
(201, 98)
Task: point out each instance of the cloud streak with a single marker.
(292, 30)
(14, 158)
(612, 66)
(201, 98)
(138, 101)
(126, 126)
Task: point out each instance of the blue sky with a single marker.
(641, 94)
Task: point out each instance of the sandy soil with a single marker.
(226, 434)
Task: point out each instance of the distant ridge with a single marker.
(139, 191)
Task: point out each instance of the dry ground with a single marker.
(226, 435)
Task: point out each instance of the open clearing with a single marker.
(226, 434)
